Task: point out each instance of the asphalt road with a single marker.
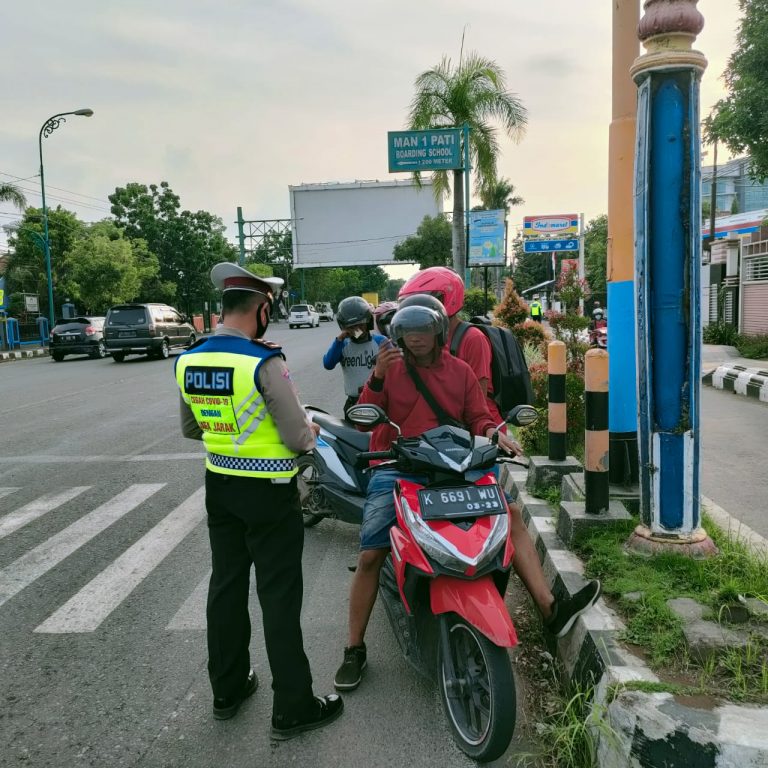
(734, 448)
(103, 571)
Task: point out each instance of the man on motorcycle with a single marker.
(419, 335)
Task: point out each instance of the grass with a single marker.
(741, 674)
(550, 494)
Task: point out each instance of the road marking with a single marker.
(37, 508)
(191, 615)
(38, 561)
(70, 459)
(7, 491)
(86, 610)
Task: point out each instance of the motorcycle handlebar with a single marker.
(368, 455)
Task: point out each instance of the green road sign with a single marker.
(436, 150)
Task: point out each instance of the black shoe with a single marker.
(328, 709)
(350, 673)
(224, 708)
(566, 611)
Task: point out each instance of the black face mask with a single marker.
(262, 319)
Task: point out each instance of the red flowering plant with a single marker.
(570, 326)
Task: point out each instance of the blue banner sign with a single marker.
(547, 246)
(412, 151)
(486, 239)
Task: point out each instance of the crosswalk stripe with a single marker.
(86, 610)
(38, 561)
(37, 508)
(191, 615)
(7, 491)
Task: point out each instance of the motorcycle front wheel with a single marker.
(479, 697)
(310, 494)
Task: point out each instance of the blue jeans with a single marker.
(379, 510)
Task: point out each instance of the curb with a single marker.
(23, 354)
(647, 730)
(751, 382)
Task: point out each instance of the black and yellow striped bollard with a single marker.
(596, 431)
(558, 423)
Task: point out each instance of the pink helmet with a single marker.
(383, 315)
(442, 283)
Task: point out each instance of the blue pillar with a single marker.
(667, 278)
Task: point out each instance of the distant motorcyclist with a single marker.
(382, 316)
(355, 347)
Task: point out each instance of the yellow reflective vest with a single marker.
(218, 379)
(536, 309)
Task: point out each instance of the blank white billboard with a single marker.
(358, 223)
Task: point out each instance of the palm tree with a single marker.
(12, 194)
(474, 92)
(498, 195)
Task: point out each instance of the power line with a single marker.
(60, 189)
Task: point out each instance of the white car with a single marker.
(303, 314)
(325, 310)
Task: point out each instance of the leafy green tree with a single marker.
(275, 249)
(392, 289)
(102, 269)
(740, 118)
(473, 92)
(186, 244)
(25, 270)
(476, 302)
(596, 253)
(10, 193)
(498, 195)
(429, 247)
(529, 268)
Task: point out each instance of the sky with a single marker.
(232, 101)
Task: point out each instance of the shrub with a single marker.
(512, 310)
(474, 302)
(535, 439)
(570, 329)
(721, 333)
(753, 347)
(533, 333)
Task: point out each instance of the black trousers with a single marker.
(254, 521)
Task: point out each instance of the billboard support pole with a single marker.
(581, 259)
(241, 234)
(467, 169)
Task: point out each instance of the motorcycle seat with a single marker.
(343, 430)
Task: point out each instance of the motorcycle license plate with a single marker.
(466, 501)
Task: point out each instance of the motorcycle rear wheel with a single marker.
(480, 701)
(311, 496)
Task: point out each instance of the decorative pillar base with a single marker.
(696, 545)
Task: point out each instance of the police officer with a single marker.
(537, 312)
(238, 398)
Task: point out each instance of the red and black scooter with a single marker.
(443, 584)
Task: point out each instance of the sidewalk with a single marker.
(723, 368)
(23, 354)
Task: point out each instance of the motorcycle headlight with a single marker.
(446, 553)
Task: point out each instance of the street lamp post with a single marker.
(49, 126)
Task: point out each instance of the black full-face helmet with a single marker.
(430, 302)
(354, 310)
(417, 319)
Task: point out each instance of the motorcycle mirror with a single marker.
(367, 415)
(522, 415)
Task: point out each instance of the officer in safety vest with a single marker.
(238, 398)
(536, 310)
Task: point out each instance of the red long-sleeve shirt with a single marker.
(452, 383)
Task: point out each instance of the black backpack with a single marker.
(509, 372)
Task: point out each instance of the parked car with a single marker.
(78, 336)
(146, 329)
(325, 310)
(303, 314)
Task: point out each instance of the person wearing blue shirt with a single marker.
(355, 347)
